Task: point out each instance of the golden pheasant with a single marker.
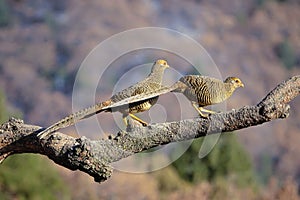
(151, 83)
(203, 90)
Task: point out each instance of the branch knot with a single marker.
(274, 111)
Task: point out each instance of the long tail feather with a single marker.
(74, 118)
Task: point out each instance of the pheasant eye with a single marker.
(165, 63)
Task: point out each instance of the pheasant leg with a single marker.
(208, 111)
(138, 119)
(200, 110)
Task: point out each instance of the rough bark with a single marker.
(95, 156)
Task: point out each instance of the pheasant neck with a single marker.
(229, 89)
(156, 75)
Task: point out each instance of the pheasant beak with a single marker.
(242, 85)
(165, 65)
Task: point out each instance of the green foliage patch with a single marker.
(4, 14)
(228, 159)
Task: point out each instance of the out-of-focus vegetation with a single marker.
(286, 54)
(29, 176)
(4, 14)
(227, 160)
(3, 113)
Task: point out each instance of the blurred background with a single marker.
(43, 43)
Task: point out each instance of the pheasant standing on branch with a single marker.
(151, 83)
(200, 90)
(204, 91)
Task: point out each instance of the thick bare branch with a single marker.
(95, 156)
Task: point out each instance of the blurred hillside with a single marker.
(44, 42)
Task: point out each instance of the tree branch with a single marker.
(95, 156)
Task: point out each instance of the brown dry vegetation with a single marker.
(45, 42)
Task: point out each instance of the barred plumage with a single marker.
(203, 90)
(151, 83)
